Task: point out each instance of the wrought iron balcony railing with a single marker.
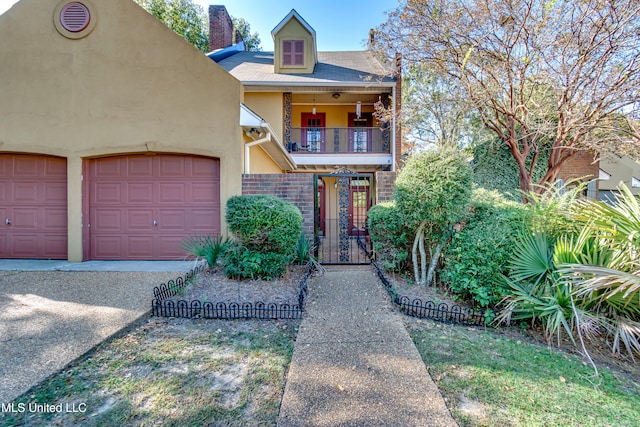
(340, 140)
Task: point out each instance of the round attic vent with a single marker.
(75, 17)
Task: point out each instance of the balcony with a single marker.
(321, 140)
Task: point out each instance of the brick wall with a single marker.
(580, 165)
(385, 182)
(296, 188)
(220, 28)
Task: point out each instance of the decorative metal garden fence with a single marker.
(162, 306)
(441, 312)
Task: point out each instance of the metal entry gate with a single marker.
(341, 204)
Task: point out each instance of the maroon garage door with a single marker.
(33, 206)
(142, 206)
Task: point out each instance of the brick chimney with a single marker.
(221, 28)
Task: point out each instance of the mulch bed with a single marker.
(214, 286)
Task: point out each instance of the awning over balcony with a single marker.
(262, 134)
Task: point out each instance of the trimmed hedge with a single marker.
(264, 223)
(267, 229)
(391, 237)
(480, 252)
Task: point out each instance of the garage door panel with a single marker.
(204, 192)
(25, 245)
(141, 166)
(55, 193)
(139, 219)
(27, 192)
(107, 193)
(140, 247)
(170, 198)
(28, 166)
(110, 167)
(139, 193)
(5, 194)
(55, 218)
(25, 218)
(172, 193)
(166, 243)
(55, 168)
(55, 246)
(202, 167)
(107, 219)
(106, 247)
(173, 167)
(204, 219)
(172, 219)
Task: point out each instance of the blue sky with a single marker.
(339, 24)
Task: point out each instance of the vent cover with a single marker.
(75, 19)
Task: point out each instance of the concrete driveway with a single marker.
(52, 312)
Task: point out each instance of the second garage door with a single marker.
(142, 206)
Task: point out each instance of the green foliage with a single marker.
(268, 231)
(244, 263)
(264, 223)
(494, 168)
(185, 18)
(303, 250)
(204, 246)
(434, 187)
(251, 40)
(480, 252)
(390, 236)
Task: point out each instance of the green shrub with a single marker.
(434, 187)
(390, 236)
(268, 230)
(432, 193)
(264, 223)
(480, 252)
(244, 263)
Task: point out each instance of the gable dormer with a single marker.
(294, 44)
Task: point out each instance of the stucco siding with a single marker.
(130, 86)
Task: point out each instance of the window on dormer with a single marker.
(293, 53)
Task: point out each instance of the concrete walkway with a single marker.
(354, 363)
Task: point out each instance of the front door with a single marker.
(313, 132)
(360, 133)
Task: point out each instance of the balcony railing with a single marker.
(340, 140)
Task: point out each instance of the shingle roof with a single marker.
(345, 67)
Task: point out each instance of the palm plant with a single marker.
(536, 293)
(586, 282)
(610, 278)
(205, 246)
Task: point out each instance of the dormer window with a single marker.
(293, 53)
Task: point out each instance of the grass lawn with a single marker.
(171, 372)
(490, 379)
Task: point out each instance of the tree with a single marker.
(435, 111)
(251, 40)
(185, 18)
(560, 73)
(432, 193)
